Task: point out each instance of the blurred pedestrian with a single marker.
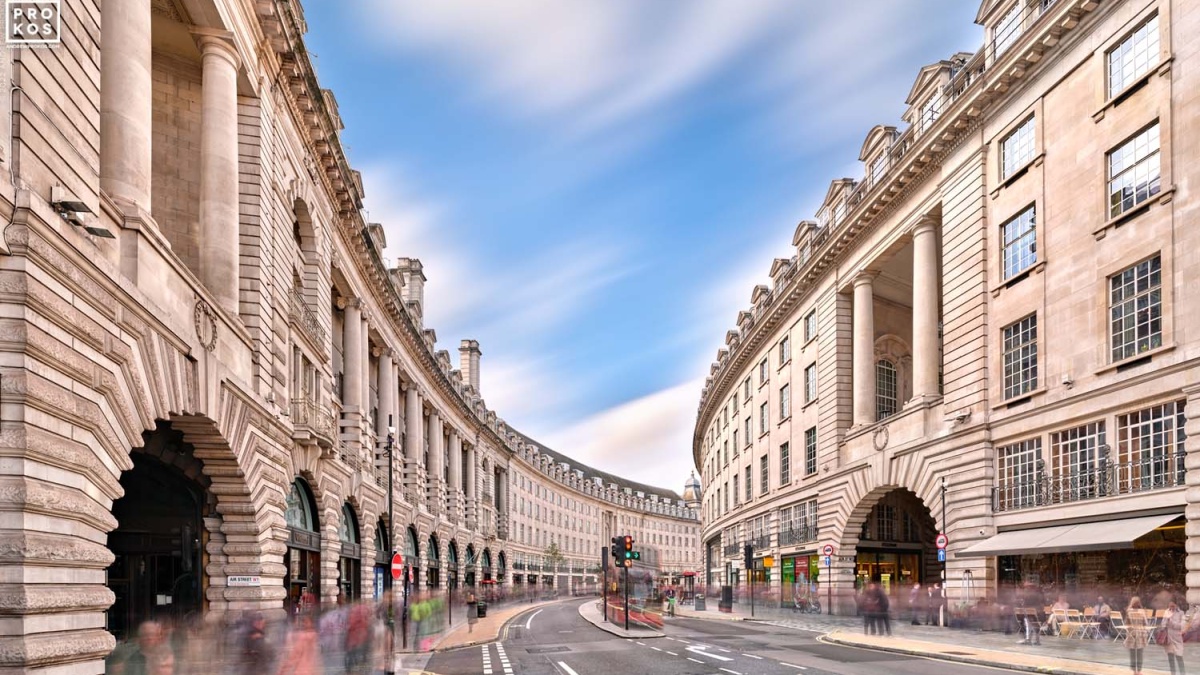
(257, 654)
(1136, 635)
(131, 658)
(1172, 626)
(1103, 616)
(915, 598)
(301, 654)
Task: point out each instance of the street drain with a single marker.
(546, 650)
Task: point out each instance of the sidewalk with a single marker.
(591, 613)
(992, 648)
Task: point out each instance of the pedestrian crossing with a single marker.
(503, 665)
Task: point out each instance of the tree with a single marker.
(553, 555)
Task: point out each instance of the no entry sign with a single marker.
(397, 565)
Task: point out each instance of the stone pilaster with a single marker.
(864, 349)
(1192, 464)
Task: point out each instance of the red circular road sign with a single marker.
(397, 565)
(828, 550)
(942, 540)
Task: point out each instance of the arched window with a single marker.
(348, 528)
(299, 512)
(885, 389)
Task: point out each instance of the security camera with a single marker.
(981, 533)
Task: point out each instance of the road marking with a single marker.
(680, 640)
(694, 660)
(567, 668)
(641, 643)
(656, 649)
(529, 623)
(700, 651)
(724, 650)
(672, 653)
(730, 671)
(792, 665)
(753, 656)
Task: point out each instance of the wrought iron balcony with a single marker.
(761, 542)
(310, 423)
(306, 318)
(732, 549)
(1105, 480)
(797, 535)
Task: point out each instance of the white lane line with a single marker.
(730, 671)
(681, 640)
(694, 660)
(753, 656)
(701, 652)
(792, 665)
(656, 649)
(724, 650)
(640, 643)
(529, 623)
(567, 668)
(672, 653)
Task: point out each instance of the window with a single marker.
(1135, 309)
(1020, 357)
(734, 402)
(764, 468)
(1016, 150)
(885, 389)
(810, 383)
(746, 387)
(762, 371)
(785, 402)
(1018, 474)
(726, 455)
(735, 445)
(1151, 449)
(749, 484)
(764, 417)
(810, 451)
(929, 112)
(735, 490)
(749, 433)
(1006, 31)
(785, 464)
(878, 167)
(1074, 454)
(1133, 172)
(1134, 57)
(725, 502)
(810, 325)
(785, 350)
(1018, 238)
(885, 522)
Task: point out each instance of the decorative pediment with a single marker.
(802, 230)
(926, 79)
(722, 354)
(836, 189)
(744, 320)
(780, 267)
(760, 291)
(732, 337)
(988, 9)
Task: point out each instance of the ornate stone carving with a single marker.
(881, 438)
(206, 325)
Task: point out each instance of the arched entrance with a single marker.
(433, 562)
(158, 545)
(411, 551)
(350, 562)
(383, 559)
(469, 574)
(487, 565)
(302, 559)
(502, 570)
(452, 564)
(896, 544)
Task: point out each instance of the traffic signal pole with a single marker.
(604, 590)
(626, 598)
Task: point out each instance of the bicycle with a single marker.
(807, 605)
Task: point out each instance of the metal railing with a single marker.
(1006, 36)
(761, 542)
(310, 417)
(732, 549)
(306, 318)
(797, 535)
(1151, 473)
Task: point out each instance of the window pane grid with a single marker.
(1018, 473)
(1134, 171)
(1019, 237)
(1150, 444)
(785, 464)
(1074, 452)
(885, 389)
(810, 451)
(1007, 31)
(1016, 149)
(1135, 307)
(810, 383)
(785, 401)
(749, 485)
(1020, 357)
(765, 471)
(1133, 57)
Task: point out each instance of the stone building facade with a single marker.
(216, 393)
(990, 334)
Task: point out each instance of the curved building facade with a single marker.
(986, 335)
(217, 393)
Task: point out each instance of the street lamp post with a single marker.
(391, 436)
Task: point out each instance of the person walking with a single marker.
(1031, 600)
(933, 604)
(883, 622)
(1137, 634)
(914, 604)
(1173, 625)
(867, 607)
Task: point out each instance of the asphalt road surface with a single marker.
(555, 640)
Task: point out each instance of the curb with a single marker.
(483, 639)
(619, 632)
(830, 638)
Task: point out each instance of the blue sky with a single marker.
(594, 186)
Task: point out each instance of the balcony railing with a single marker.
(732, 549)
(761, 542)
(1151, 473)
(797, 535)
(310, 419)
(306, 318)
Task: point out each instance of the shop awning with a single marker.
(1101, 536)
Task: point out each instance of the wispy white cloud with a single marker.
(648, 439)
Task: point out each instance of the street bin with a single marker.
(482, 607)
(699, 603)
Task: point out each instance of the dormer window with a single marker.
(878, 167)
(930, 110)
(1006, 32)
(839, 212)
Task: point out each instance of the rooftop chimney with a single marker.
(413, 291)
(468, 362)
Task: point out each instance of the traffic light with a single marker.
(618, 551)
(748, 552)
(627, 552)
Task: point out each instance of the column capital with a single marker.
(925, 225)
(865, 277)
(217, 42)
(348, 301)
(379, 352)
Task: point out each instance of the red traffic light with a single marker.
(628, 543)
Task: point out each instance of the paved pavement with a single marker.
(590, 611)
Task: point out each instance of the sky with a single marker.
(595, 186)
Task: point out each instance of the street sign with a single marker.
(769, 561)
(828, 561)
(941, 555)
(942, 540)
(828, 550)
(397, 565)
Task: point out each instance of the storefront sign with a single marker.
(245, 581)
(769, 561)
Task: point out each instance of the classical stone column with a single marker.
(353, 360)
(412, 424)
(125, 102)
(925, 311)
(1192, 480)
(472, 481)
(219, 249)
(454, 491)
(435, 469)
(864, 349)
(365, 350)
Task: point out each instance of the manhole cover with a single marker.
(546, 650)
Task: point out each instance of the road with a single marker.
(555, 640)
